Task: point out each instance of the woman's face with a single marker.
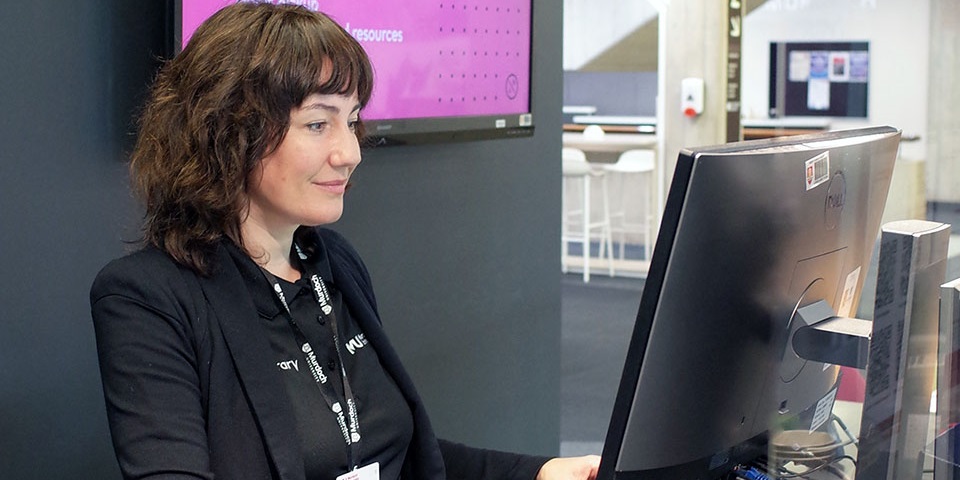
(302, 182)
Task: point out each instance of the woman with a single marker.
(243, 342)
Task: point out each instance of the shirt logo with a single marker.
(356, 343)
(288, 365)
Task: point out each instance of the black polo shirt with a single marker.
(386, 423)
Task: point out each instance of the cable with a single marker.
(783, 473)
(843, 427)
(790, 474)
(751, 474)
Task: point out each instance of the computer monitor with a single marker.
(751, 233)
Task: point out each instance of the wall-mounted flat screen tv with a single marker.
(444, 70)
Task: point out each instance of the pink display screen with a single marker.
(431, 58)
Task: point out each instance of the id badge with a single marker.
(369, 472)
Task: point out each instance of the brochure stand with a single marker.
(944, 452)
(902, 360)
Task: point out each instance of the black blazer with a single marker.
(189, 390)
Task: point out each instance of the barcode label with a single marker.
(824, 410)
(817, 170)
(847, 299)
(881, 363)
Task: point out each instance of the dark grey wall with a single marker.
(71, 71)
(461, 240)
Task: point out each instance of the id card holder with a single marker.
(368, 472)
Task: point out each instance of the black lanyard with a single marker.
(351, 432)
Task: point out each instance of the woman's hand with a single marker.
(570, 468)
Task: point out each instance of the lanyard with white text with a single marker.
(351, 433)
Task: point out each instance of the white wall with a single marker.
(943, 138)
(898, 32)
(592, 26)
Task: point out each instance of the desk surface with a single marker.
(623, 128)
(760, 133)
(611, 142)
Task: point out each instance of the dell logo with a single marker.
(836, 198)
(835, 201)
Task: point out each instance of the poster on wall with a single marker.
(825, 79)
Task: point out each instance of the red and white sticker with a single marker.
(817, 170)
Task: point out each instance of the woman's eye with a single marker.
(317, 126)
(353, 124)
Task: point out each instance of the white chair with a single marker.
(593, 133)
(633, 166)
(577, 223)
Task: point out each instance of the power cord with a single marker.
(751, 474)
(787, 474)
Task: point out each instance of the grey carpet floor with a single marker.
(597, 321)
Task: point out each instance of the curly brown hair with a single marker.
(220, 106)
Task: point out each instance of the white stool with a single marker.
(632, 164)
(593, 133)
(577, 170)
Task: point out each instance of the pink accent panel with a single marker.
(852, 385)
(432, 58)
(195, 12)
